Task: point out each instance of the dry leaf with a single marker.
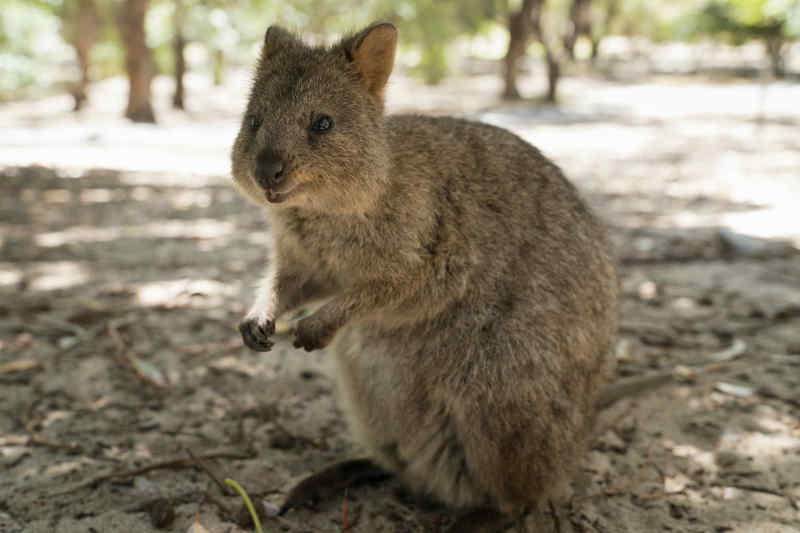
(197, 527)
(20, 365)
(676, 483)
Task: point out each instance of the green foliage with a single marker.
(35, 34)
(108, 57)
(247, 502)
(739, 21)
(659, 21)
(773, 22)
(432, 27)
(31, 48)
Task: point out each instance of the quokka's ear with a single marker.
(372, 51)
(277, 39)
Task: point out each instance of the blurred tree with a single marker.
(179, 49)
(433, 26)
(80, 25)
(527, 22)
(774, 22)
(215, 25)
(580, 24)
(603, 16)
(552, 56)
(520, 26)
(138, 60)
(220, 38)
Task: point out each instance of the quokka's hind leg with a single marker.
(331, 481)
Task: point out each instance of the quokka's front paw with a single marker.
(256, 333)
(312, 333)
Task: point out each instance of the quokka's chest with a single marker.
(340, 254)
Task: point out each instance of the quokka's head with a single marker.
(312, 134)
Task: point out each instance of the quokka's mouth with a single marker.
(275, 197)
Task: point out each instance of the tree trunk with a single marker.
(580, 24)
(519, 30)
(774, 46)
(550, 54)
(83, 34)
(553, 76)
(138, 60)
(602, 29)
(595, 49)
(179, 46)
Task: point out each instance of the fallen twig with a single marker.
(205, 468)
(19, 365)
(345, 520)
(63, 325)
(763, 490)
(177, 463)
(129, 358)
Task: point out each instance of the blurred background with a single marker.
(67, 45)
(689, 97)
(51, 46)
(70, 70)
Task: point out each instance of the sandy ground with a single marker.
(128, 259)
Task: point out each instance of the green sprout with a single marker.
(247, 502)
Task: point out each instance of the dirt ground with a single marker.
(127, 395)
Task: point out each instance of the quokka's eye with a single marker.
(254, 122)
(322, 124)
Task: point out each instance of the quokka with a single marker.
(472, 297)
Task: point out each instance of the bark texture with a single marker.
(179, 47)
(138, 60)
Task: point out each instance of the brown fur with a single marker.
(474, 298)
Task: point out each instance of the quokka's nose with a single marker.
(269, 169)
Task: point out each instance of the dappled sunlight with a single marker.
(777, 222)
(57, 275)
(765, 446)
(46, 132)
(183, 293)
(96, 196)
(250, 368)
(179, 178)
(52, 239)
(163, 229)
(752, 461)
(190, 198)
(56, 196)
(67, 467)
(186, 229)
(9, 275)
(698, 455)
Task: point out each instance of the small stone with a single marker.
(271, 509)
(611, 441)
(65, 343)
(726, 459)
(676, 483)
(162, 513)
